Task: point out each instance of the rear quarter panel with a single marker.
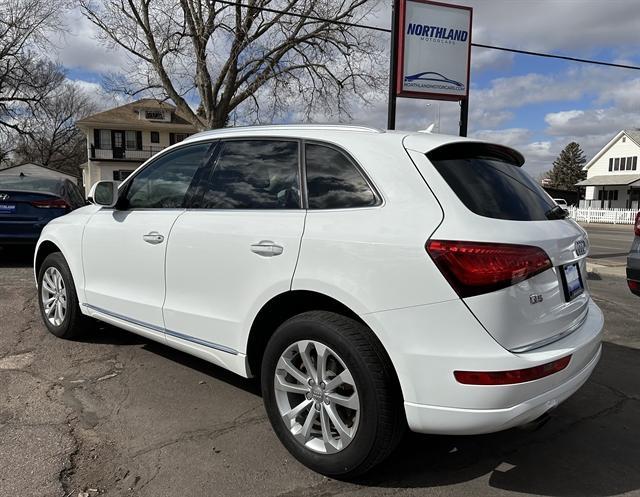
(373, 259)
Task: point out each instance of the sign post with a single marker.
(430, 54)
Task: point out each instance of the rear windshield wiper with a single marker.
(556, 212)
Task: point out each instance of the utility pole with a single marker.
(393, 66)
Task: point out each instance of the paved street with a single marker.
(609, 243)
(126, 416)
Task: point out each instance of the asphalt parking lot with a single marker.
(115, 414)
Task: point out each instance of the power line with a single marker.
(555, 56)
(387, 30)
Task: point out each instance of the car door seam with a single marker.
(295, 267)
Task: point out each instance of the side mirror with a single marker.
(104, 193)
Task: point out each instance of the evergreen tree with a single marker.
(567, 168)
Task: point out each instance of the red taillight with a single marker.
(636, 228)
(54, 203)
(473, 268)
(634, 285)
(511, 377)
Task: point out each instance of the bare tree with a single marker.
(26, 78)
(52, 138)
(238, 58)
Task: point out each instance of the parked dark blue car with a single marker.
(28, 203)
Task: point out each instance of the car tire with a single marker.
(368, 434)
(64, 318)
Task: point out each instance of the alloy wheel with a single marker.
(317, 397)
(54, 296)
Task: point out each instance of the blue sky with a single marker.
(536, 105)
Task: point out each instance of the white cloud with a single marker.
(79, 47)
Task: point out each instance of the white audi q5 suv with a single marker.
(373, 280)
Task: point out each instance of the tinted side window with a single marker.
(164, 183)
(490, 182)
(255, 174)
(333, 181)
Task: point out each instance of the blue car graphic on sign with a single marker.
(432, 76)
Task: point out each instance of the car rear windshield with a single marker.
(488, 179)
(30, 184)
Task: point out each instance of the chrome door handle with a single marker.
(266, 248)
(153, 238)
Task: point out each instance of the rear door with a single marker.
(237, 246)
(124, 249)
(488, 198)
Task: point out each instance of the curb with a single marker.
(619, 271)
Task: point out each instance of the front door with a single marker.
(238, 247)
(124, 249)
(117, 139)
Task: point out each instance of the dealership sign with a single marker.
(434, 49)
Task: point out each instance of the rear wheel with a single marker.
(330, 394)
(58, 300)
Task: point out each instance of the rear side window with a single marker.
(255, 174)
(488, 179)
(333, 181)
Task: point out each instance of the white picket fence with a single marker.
(608, 216)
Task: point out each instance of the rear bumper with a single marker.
(21, 239)
(455, 421)
(428, 343)
(633, 273)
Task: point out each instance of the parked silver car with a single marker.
(633, 260)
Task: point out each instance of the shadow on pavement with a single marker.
(16, 256)
(590, 447)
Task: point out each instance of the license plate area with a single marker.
(571, 281)
(7, 208)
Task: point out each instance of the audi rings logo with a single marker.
(581, 247)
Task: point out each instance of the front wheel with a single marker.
(58, 300)
(330, 394)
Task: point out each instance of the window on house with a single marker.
(121, 174)
(131, 140)
(635, 163)
(629, 159)
(610, 164)
(105, 139)
(155, 115)
(616, 165)
(624, 139)
(623, 162)
(155, 137)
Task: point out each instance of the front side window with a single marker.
(164, 183)
(254, 174)
(333, 181)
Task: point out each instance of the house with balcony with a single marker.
(120, 139)
(613, 174)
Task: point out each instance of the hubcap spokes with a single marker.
(54, 296)
(317, 397)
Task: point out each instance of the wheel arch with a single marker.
(286, 305)
(45, 248)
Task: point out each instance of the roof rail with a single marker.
(292, 127)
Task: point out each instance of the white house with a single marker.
(37, 170)
(613, 175)
(120, 139)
